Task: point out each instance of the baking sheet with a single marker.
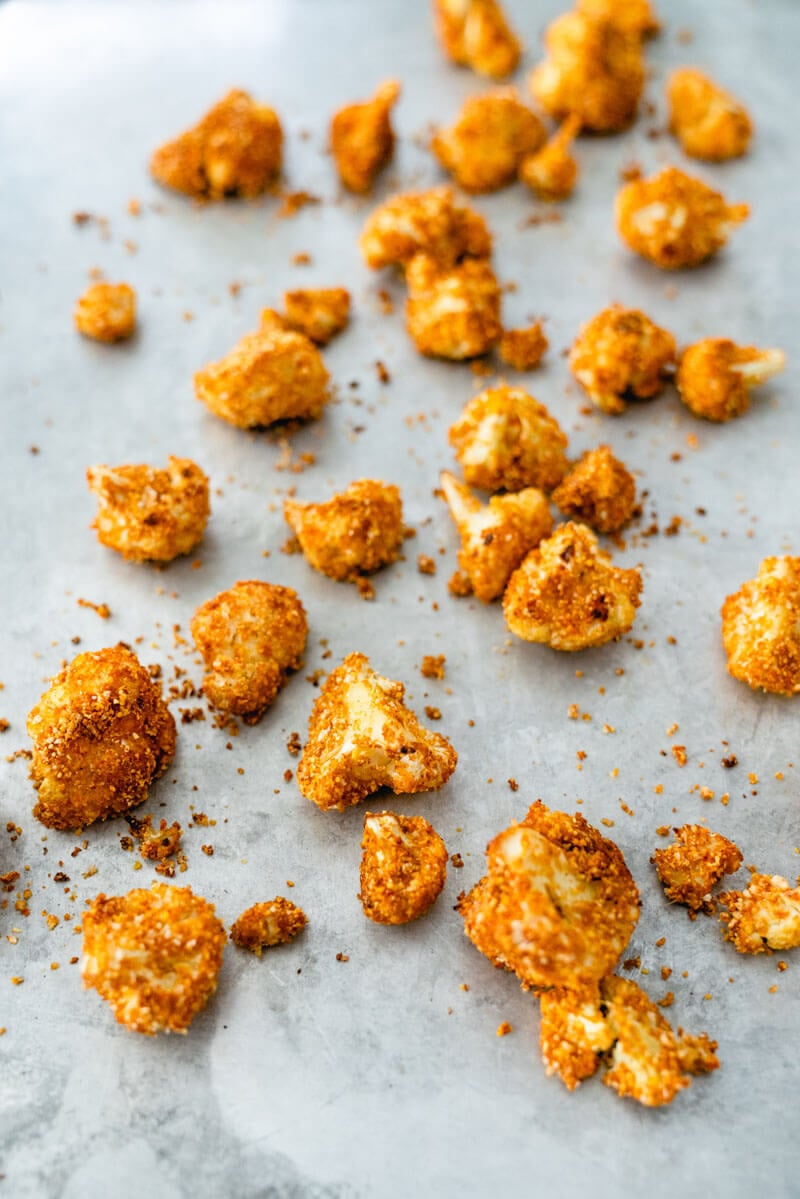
(381, 1075)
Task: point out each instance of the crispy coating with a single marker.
(354, 533)
(106, 312)
(153, 955)
(635, 17)
(431, 222)
(765, 916)
(267, 924)
(709, 122)
(476, 34)
(452, 312)
(693, 863)
(403, 867)
(523, 349)
(568, 595)
(148, 514)
(495, 537)
(575, 1033)
(362, 139)
(361, 737)
(235, 150)
(319, 312)
(600, 491)
(675, 220)
(101, 734)
(506, 440)
(484, 148)
(250, 637)
(620, 354)
(155, 844)
(715, 376)
(552, 172)
(761, 628)
(697, 1054)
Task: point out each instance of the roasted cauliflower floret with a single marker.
(430, 222)
(250, 637)
(361, 737)
(600, 491)
(101, 734)
(452, 312)
(761, 628)
(765, 916)
(476, 34)
(506, 440)
(674, 220)
(715, 376)
(635, 17)
(106, 312)
(575, 1033)
(695, 861)
(620, 354)
(708, 121)
(362, 139)
(148, 514)
(267, 924)
(568, 595)
(484, 148)
(403, 867)
(154, 956)
(235, 150)
(523, 349)
(354, 533)
(318, 312)
(551, 173)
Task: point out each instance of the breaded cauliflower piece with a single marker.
(318, 312)
(621, 354)
(568, 595)
(431, 222)
(476, 34)
(600, 491)
(354, 533)
(153, 955)
(575, 1033)
(148, 514)
(452, 312)
(493, 133)
(523, 349)
(495, 537)
(362, 138)
(761, 628)
(675, 220)
(695, 861)
(593, 70)
(101, 735)
(765, 916)
(361, 737)
(403, 867)
(552, 172)
(106, 312)
(635, 17)
(506, 440)
(250, 637)
(235, 150)
(715, 376)
(267, 924)
(697, 1054)
(708, 121)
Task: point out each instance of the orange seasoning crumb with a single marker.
(679, 754)
(433, 666)
(504, 1029)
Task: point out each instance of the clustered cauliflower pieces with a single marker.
(476, 34)
(551, 172)
(621, 354)
(431, 222)
(250, 637)
(765, 916)
(761, 628)
(634, 17)
(484, 148)
(352, 534)
(599, 490)
(715, 376)
(506, 440)
(320, 313)
(153, 955)
(695, 861)
(101, 734)
(361, 737)
(452, 312)
(362, 139)
(708, 121)
(265, 925)
(106, 312)
(523, 349)
(148, 514)
(403, 867)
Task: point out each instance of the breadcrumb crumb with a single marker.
(523, 349)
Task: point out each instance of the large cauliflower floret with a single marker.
(148, 514)
(599, 490)
(506, 440)
(635, 17)
(235, 150)
(674, 220)
(551, 172)
(403, 867)
(568, 595)
(318, 312)
(715, 376)
(761, 628)
(265, 925)
(452, 312)
(154, 956)
(362, 139)
(430, 222)
(493, 133)
(361, 737)
(708, 121)
(765, 916)
(352, 534)
(695, 861)
(620, 354)
(476, 34)
(250, 637)
(495, 537)
(101, 734)
(106, 312)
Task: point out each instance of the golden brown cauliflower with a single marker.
(148, 514)
(361, 737)
(495, 537)
(695, 861)
(600, 491)
(267, 924)
(106, 312)
(621, 354)
(674, 220)
(523, 349)
(362, 139)
(154, 956)
(568, 595)
(452, 312)
(635, 17)
(765, 916)
(761, 628)
(551, 173)
(403, 867)
(484, 148)
(506, 440)
(319, 312)
(715, 376)
(708, 121)
(476, 34)
(101, 735)
(352, 534)
(431, 222)
(235, 150)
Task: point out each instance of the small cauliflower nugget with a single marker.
(452, 312)
(362, 139)
(551, 173)
(148, 514)
(600, 491)
(267, 924)
(106, 312)
(715, 376)
(620, 354)
(352, 534)
(431, 222)
(476, 34)
(523, 349)
(765, 916)
(695, 861)
(761, 628)
(319, 312)
(154, 956)
(403, 867)
(484, 148)
(506, 440)
(235, 150)
(101, 735)
(361, 737)
(708, 121)
(674, 220)
(635, 17)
